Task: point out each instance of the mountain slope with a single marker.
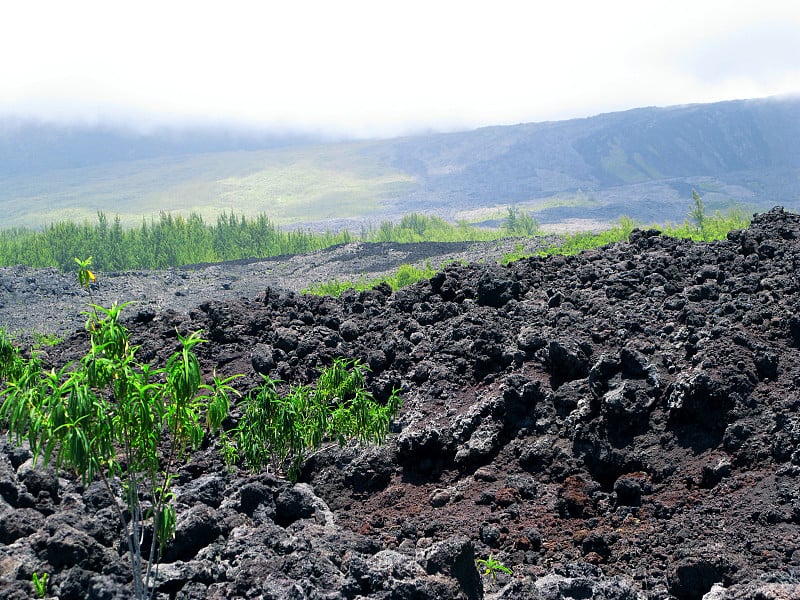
(642, 162)
(619, 154)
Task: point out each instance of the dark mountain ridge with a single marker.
(656, 145)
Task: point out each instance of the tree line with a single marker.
(166, 241)
(173, 240)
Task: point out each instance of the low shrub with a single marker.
(282, 430)
(111, 416)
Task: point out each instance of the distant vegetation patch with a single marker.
(172, 241)
(404, 276)
(168, 241)
(699, 227)
(429, 228)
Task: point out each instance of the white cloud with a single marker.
(369, 68)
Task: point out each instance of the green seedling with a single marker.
(45, 340)
(86, 278)
(491, 567)
(40, 584)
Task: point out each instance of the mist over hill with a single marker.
(642, 163)
(33, 148)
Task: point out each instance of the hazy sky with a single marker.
(374, 68)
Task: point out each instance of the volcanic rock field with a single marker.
(620, 424)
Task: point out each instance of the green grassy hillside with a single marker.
(290, 185)
(642, 163)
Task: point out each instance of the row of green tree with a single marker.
(164, 242)
(170, 241)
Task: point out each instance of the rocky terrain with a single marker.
(621, 424)
(29, 297)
